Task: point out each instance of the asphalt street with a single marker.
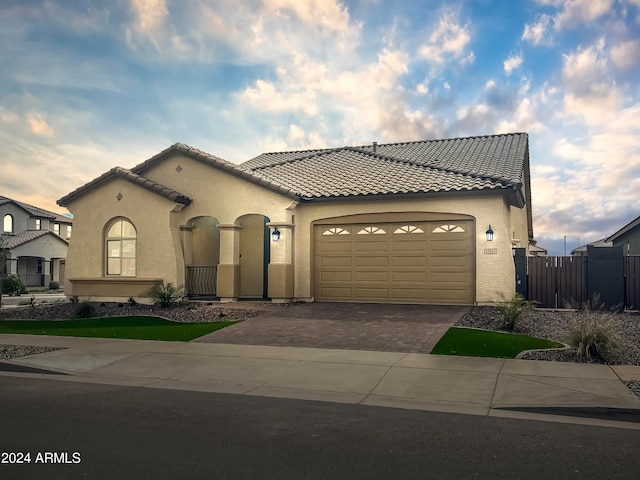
(101, 431)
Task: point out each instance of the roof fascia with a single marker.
(631, 225)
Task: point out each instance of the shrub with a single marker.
(594, 335)
(85, 309)
(13, 285)
(166, 295)
(514, 311)
(53, 285)
(132, 301)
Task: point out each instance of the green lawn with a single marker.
(137, 328)
(483, 343)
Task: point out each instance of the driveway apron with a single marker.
(352, 326)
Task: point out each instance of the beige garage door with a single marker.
(422, 262)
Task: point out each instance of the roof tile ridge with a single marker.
(440, 168)
(316, 153)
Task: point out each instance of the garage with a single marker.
(396, 262)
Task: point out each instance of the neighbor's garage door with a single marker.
(422, 262)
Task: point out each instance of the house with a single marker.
(628, 237)
(34, 241)
(581, 251)
(417, 222)
(536, 250)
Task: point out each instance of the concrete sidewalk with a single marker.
(480, 386)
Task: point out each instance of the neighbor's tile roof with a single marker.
(37, 212)
(474, 163)
(12, 241)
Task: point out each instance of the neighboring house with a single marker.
(581, 251)
(628, 237)
(35, 242)
(536, 251)
(417, 222)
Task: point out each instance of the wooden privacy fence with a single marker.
(201, 281)
(554, 281)
(558, 282)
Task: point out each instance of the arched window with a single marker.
(8, 224)
(121, 249)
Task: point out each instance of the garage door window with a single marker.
(335, 231)
(448, 229)
(371, 231)
(408, 229)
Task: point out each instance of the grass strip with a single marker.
(472, 342)
(130, 327)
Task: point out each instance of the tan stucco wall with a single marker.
(494, 271)
(216, 192)
(151, 216)
(205, 242)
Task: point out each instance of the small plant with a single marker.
(593, 334)
(13, 285)
(74, 299)
(85, 309)
(513, 311)
(132, 301)
(53, 285)
(166, 294)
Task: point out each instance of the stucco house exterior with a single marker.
(628, 237)
(34, 242)
(417, 222)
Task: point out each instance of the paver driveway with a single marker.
(353, 326)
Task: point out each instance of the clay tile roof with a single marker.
(462, 164)
(13, 241)
(37, 212)
(133, 178)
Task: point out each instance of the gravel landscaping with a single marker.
(556, 324)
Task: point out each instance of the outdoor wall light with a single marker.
(489, 234)
(275, 235)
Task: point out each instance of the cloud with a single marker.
(449, 39)
(512, 63)
(537, 32)
(39, 126)
(590, 91)
(626, 55)
(577, 12)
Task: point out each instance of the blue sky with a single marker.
(87, 85)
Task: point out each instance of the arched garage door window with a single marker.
(121, 248)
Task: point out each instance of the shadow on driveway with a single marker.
(352, 326)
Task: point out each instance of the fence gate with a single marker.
(555, 282)
(632, 282)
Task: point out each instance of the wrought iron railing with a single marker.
(201, 280)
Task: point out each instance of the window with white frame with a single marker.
(38, 224)
(448, 229)
(408, 229)
(68, 232)
(121, 248)
(8, 224)
(335, 231)
(56, 228)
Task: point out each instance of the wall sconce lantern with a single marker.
(275, 235)
(489, 234)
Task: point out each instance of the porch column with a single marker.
(46, 272)
(186, 234)
(280, 271)
(12, 266)
(55, 270)
(228, 275)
